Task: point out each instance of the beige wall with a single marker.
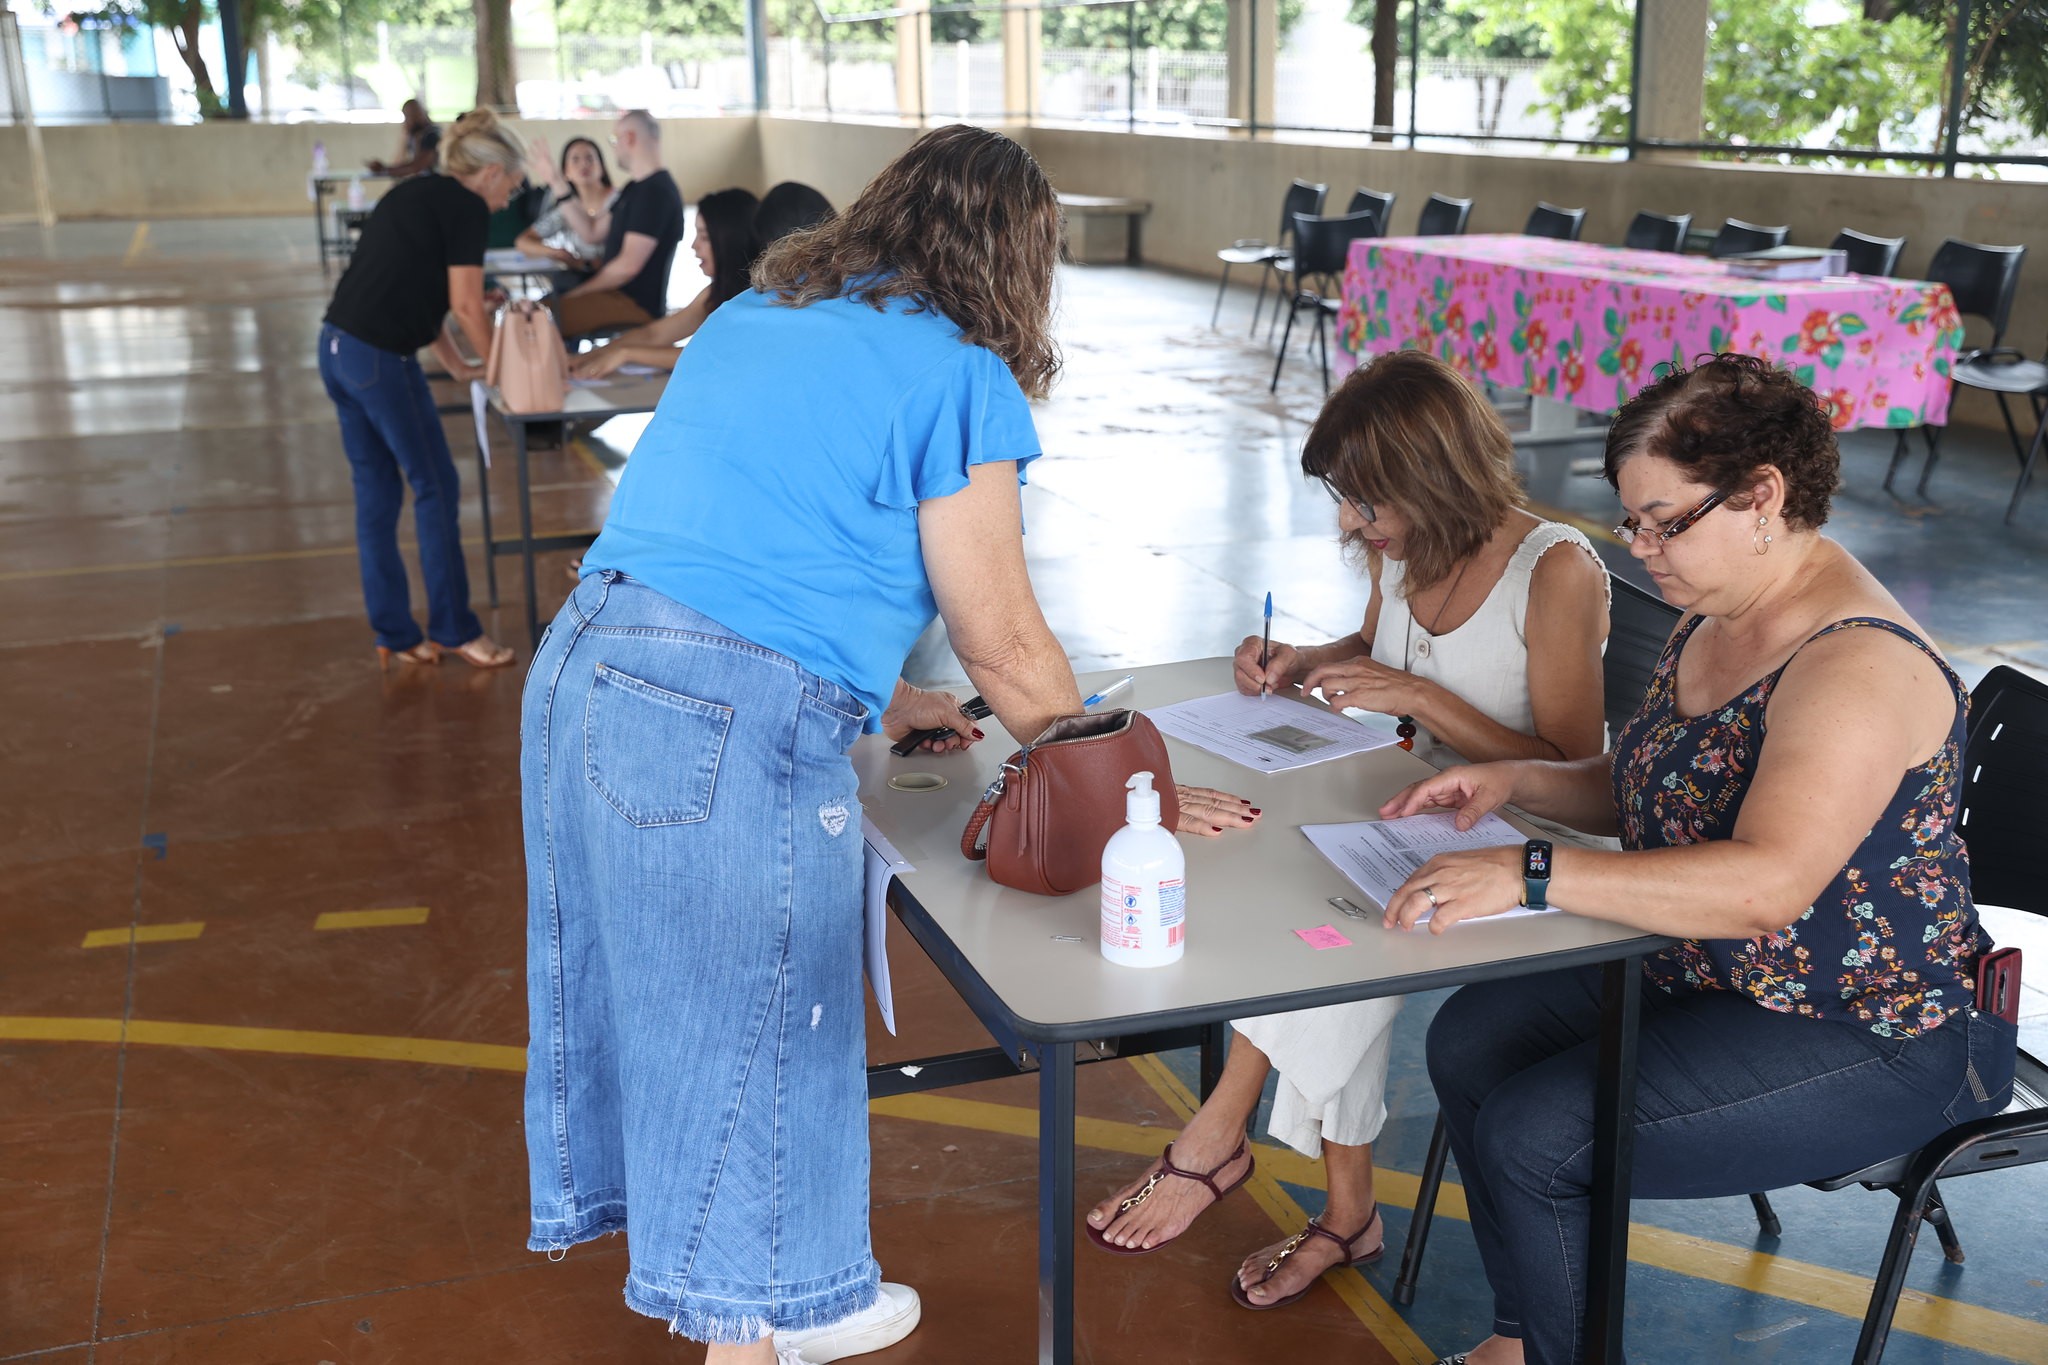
(136, 170)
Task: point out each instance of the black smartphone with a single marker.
(974, 708)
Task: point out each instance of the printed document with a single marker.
(1272, 734)
(883, 863)
(1378, 855)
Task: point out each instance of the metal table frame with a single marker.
(331, 245)
(646, 394)
(1055, 1051)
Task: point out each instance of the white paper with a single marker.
(1271, 734)
(636, 370)
(1379, 855)
(883, 862)
(480, 406)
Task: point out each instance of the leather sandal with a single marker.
(1161, 1171)
(1294, 1244)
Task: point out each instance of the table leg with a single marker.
(1214, 1040)
(526, 533)
(483, 493)
(1056, 1204)
(320, 220)
(1614, 1103)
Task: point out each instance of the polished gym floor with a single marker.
(261, 1009)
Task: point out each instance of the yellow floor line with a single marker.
(144, 933)
(2005, 1335)
(137, 244)
(371, 919)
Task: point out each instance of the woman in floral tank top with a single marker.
(1786, 801)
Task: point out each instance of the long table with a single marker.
(1030, 968)
(1586, 325)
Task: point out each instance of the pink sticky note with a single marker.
(1321, 937)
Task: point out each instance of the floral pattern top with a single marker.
(1891, 944)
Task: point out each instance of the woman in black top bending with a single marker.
(420, 258)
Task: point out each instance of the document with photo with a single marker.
(1271, 734)
(1379, 855)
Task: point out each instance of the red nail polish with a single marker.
(1257, 811)
(1215, 829)
(1246, 818)
(979, 735)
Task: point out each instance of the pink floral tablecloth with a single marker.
(1587, 324)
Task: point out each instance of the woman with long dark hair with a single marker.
(575, 242)
(724, 247)
(836, 460)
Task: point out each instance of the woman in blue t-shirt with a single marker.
(836, 460)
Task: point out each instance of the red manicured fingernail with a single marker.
(1215, 829)
(1242, 802)
(1257, 811)
(979, 735)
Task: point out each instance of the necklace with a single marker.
(1406, 729)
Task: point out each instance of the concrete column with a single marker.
(1252, 40)
(1023, 62)
(1673, 80)
(914, 59)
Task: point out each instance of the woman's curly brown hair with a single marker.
(1726, 418)
(964, 222)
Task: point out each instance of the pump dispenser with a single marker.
(1144, 891)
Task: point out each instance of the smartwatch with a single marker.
(1536, 874)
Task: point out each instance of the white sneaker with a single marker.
(885, 1322)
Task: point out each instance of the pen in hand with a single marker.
(1265, 646)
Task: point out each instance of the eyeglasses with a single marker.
(1358, 505)
(1631, 528)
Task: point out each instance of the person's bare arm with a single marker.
(1849, 717)
(466, 302)
(617, 272)
(974, 555)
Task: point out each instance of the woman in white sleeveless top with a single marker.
(1486, 647)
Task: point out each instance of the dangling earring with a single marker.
(1761, 547)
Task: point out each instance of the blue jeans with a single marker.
(389, 428)
(1731, 1098)
(695, 1070)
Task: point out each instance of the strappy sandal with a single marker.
(1164, 1169)
(1294, 1244)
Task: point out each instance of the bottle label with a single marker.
(1173, 910)
(1122, 914)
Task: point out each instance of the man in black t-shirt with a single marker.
(419, 144)
(631, 286)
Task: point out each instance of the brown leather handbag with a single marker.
(528, 365)
(1058, 800)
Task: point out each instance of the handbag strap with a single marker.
(970, 838)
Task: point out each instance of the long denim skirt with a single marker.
(695, 1069)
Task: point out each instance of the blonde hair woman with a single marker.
(420, 258)
(1480, 642)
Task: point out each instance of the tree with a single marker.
(686, 18)
(1454, 30)
(182, 19)
(1175, 25)
(494, 75)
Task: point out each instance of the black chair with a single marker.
(1737, 238)
(1658, 232)
(2007, 373)
(1869, 255)
(1548, 220)
(1638, 625)
(1380, 202)
(1302, 197)
(1983, 280)
(2004, 807)
(1321, 246)
(1443, 216)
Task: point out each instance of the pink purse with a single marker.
(528, 366)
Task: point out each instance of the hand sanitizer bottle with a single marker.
(319, 158)
(1144, 890)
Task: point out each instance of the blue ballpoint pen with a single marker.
(1266, 644)
(1106, 693)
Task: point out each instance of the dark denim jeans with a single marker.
(393, 437)
(1731, 1098)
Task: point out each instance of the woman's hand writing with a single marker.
(601, 362)
(1365, 683)
(913, 708)
(1469, 884)
(1283, 662)
(1208, 812)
